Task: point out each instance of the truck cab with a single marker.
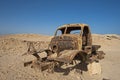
(71, 37)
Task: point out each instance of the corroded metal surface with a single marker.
(70, 42)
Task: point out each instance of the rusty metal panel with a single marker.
(67, 56)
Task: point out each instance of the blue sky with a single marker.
(44, 16)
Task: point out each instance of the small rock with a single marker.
(94, 68)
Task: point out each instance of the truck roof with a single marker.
(72, 25)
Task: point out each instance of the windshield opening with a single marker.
(73, 30)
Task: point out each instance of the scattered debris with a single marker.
(105, 79)
(109, 37)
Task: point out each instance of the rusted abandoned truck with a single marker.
(71, 42)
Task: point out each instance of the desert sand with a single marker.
(13, 46)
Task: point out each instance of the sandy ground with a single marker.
(13, 46)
